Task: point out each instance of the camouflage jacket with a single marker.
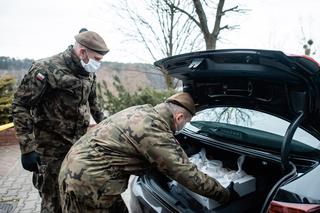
(55, 95)
(129, 142)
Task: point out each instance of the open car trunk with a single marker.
(283, 91)
(263, 173)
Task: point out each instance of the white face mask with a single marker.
(91, 66)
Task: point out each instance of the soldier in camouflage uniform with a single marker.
(97, 168)
(51, 110)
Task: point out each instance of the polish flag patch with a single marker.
(40, 77)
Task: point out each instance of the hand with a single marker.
(30, 161)
(233, 194)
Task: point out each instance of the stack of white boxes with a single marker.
(243, 183)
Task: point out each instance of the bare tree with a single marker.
(211, 37)
(161, 28)
(307, 47)
(171, 27)
(308, 44)
(230, 115)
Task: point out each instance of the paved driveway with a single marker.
(17, 194)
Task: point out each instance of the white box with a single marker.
(242, 186)
(243, 183)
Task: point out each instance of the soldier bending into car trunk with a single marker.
(96, 170)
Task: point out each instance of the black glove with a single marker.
(30, 161)
(233, 194)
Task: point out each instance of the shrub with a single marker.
(7, 83)
(123, 99)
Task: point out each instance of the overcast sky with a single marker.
(39, 28)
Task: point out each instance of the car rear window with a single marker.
(258, 124)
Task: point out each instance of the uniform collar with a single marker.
(165, 114)
(73, 62)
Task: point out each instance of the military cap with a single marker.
(92, 41)
(184, 100)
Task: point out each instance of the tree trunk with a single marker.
(169, 81)
(210, 43)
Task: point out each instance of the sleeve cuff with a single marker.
(27, 143)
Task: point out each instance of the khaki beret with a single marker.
(184, 100)
(92, 41)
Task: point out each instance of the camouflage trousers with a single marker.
(46, 181)
(52, 149)
(71, 204)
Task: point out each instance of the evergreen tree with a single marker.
(124, 99)
(7, 83)
(7, 63)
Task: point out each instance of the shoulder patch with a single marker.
(40, 77)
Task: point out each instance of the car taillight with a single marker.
(282, 207)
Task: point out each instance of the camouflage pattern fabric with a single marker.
(97, 167)
(72, 205)
(51, 110)
(55, 95)
(46, 181)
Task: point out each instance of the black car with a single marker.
(258, 114)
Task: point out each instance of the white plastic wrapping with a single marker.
(243, 183)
